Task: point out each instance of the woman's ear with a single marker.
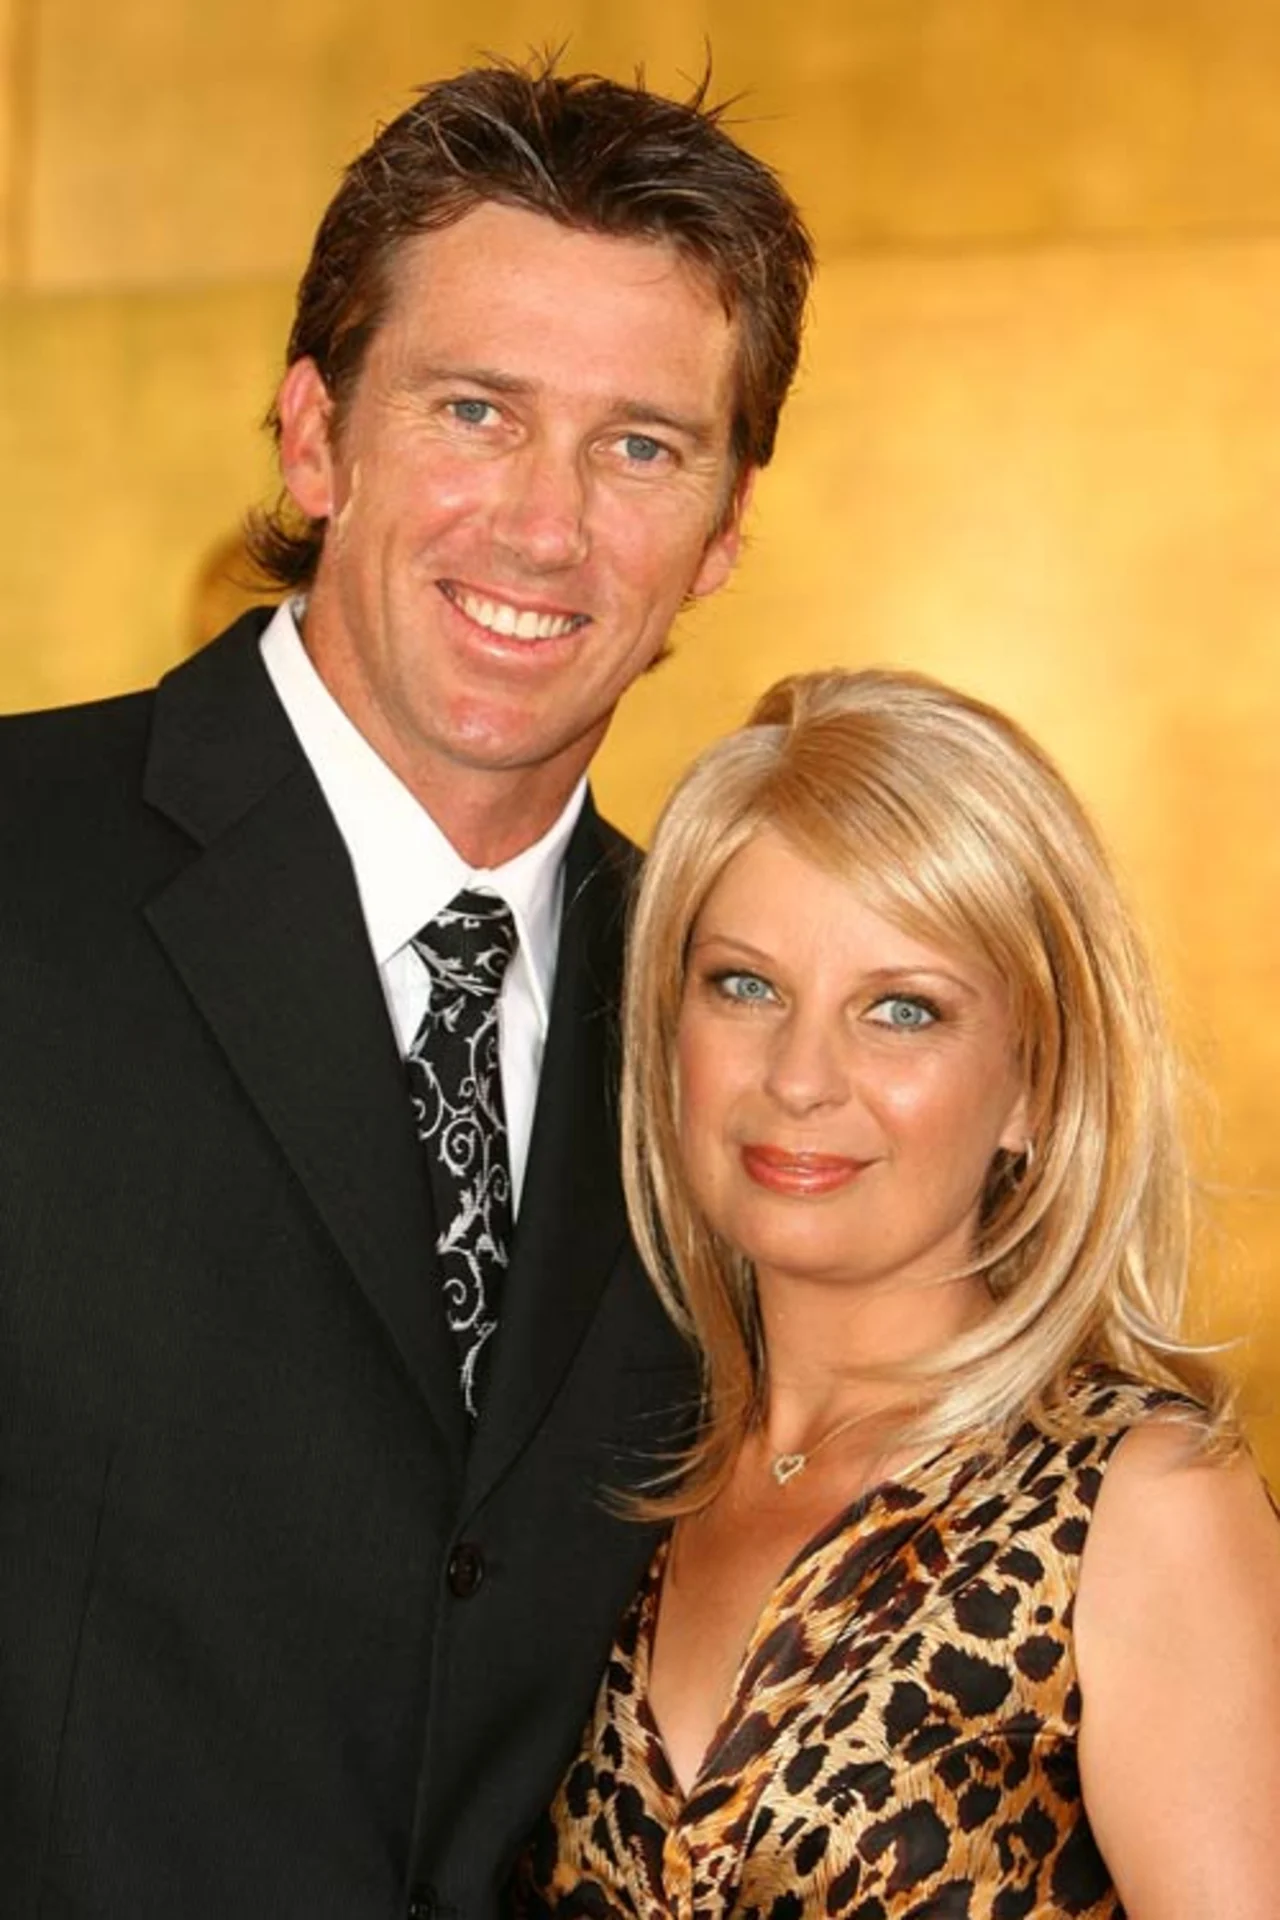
(1015, 1136)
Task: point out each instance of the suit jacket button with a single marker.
(422, 1904)
(466, 1570)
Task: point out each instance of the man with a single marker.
(314, 1384)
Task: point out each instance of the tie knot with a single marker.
(469, 944)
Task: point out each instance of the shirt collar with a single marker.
(405, 868)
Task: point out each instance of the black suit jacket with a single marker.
(275, 1640)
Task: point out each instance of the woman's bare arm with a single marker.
(1178, 1645)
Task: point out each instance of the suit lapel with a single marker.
(264, 927)
(572, 1220)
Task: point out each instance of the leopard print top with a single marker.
(901, 1739)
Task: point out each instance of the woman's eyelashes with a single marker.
(900, 1012)
(904, 1012)
(741, 987)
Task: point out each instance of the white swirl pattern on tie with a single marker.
(456, 1091)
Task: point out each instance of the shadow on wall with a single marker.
(226, 583)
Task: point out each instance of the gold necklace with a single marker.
(786, 1466)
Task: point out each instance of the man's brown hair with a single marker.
(585, 151)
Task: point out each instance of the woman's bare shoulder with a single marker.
(1177, 1633)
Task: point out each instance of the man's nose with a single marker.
(808, 1065)
(541, 515)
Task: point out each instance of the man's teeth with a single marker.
(524, 624)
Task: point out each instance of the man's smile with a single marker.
(506, 619)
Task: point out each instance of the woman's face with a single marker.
(843, 1086)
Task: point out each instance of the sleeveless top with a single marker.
(900, 1742)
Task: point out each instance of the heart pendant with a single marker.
(787, 1465)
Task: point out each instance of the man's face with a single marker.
(531, 476)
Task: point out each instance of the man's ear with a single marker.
(722, 549)
(306, 457)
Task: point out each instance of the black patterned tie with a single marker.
(456, 1088)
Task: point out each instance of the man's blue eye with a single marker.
(642, 447)
(901, 1011)
(471, 413)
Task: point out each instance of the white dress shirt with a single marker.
(406, 871)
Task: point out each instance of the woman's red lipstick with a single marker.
(803, 1174)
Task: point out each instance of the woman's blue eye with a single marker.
(747, 987)
(900, 1010)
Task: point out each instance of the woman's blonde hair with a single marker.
(948, 820)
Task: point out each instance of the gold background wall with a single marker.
(1035, 446)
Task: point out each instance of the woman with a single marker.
(971, 1600)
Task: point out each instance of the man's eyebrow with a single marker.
(434, 374)
(626, 409)
(700, 432)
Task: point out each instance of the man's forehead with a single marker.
(536, 304)
(505, 221)
(501, 244)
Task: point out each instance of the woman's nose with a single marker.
(808, 1064)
